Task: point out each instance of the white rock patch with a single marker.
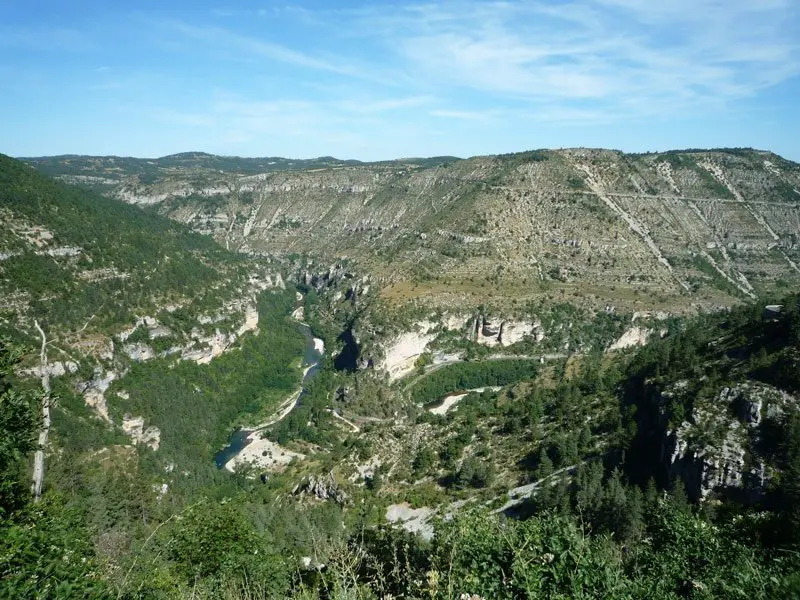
(94, 393)
(414, 520)
(635, 336)
(250, 320)
(450, 401)
(455, 322)
(405, 349)
(263, 454)
(54, 369)
(516, 331)
(134, 427)
(139, 352)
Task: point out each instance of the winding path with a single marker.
(336, 415)
(283, 411)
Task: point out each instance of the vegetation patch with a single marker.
(431, 388)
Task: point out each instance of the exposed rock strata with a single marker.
(717, 449)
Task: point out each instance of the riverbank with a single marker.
(249, 445)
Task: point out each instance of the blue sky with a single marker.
(379, 80)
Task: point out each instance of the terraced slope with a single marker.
(667, 230)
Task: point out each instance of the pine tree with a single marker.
(589, 490)
(545, 467)
(17, 426)
(585, 441)
(651, 494)
(791, 479)
(614, 504)
(677, 495)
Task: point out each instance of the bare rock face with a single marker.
(402, 351)
(717, 450)
(94, 392)
(517, 331)
(319, 280)
(139, 352)
(718, 466)
(210, 347)
(455, 322)
(635, 336)
(53, 369)
(323, 487)
(493, 331)
(134, 427)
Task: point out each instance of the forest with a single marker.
(126, 259)
(431, 388)
(618, 528)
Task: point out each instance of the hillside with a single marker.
(667, 231)
(102, 171)
(668, 471)
(71, 257)
(128, 312)
(539, 418)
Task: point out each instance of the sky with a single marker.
(382, 80)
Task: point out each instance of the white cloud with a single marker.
(570, 58)
(464, 115)
(388, 70)
(254, 47)
(666, 55)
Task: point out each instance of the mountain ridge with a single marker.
(678, 227)
(205, 154)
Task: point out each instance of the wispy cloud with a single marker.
(410, 77)
(486, 64)
(224, 38)
(371, 106)
(617, 53)
(571, 59)
(463, 115)
(245, 46)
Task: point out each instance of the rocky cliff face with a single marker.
(712, 225)
(719, 449)
(499, 332)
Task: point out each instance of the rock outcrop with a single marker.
(134, 427)
(53, 369)
(139, 352)
(402, 351)
(497, 332)
(323, 487)
(717, 450)
(635, 336)
(94, 391)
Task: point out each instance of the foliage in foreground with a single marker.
(575, 545)
(552, 556)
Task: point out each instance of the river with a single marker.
(312, 353)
